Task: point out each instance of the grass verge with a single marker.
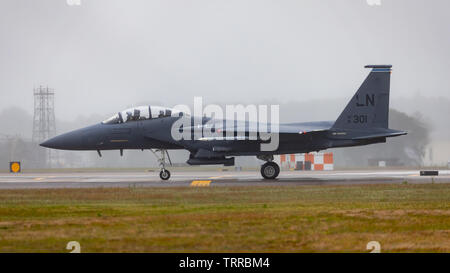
(403, 218)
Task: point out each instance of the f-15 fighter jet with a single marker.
(364, 121)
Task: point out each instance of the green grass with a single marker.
(403, 218)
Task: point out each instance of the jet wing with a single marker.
(305, 127)
(244, 128)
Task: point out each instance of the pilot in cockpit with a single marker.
(142, 113)
(129, 116)
(136, 114)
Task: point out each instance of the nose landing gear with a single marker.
(270, 169)
(163, 174)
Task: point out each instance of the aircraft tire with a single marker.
(164, 174)
(270, 170)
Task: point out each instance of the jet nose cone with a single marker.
(58, 142)
(69, 141)
(46, 144)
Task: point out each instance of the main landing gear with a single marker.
(270, 169)
(163, 174)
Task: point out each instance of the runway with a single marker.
(213, 178)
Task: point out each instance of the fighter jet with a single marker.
(363, 121)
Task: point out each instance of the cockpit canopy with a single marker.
(143, 113)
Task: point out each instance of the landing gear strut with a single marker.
(163, 174)
(270, 169)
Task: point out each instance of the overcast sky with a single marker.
(105, 55)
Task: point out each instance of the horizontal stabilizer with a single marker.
(389, 133)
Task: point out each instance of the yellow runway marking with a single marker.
(39, 178)
(200, 183)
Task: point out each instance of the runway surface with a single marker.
(217, 178)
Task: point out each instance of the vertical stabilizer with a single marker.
(369, 107)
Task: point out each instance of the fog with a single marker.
(106, 55)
